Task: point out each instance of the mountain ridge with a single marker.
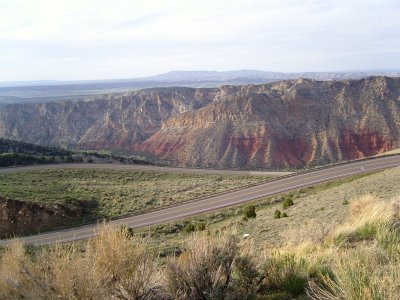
(37, 91)
(287, 124)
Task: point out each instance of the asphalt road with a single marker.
(139, 168)
(219, 201)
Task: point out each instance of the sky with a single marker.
(97, 39)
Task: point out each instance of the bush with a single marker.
(287, 202)
(246, 278)
(249, 212)
(284, 215)
(201, 226)
(204, 270)
(189, 228)
(277, 214)
(112, 266)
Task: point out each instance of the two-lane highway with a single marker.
(215, 202)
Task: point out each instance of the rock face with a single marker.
(116, 122)
(288, 124)
(20, 217)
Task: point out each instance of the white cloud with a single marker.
(61, 39)
(70, 59)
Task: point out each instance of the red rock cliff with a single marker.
(289, 124)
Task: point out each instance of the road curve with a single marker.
(122, 167)
(219, 201)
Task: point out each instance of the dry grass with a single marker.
(368, 216)
(365, 273)
(358, 259)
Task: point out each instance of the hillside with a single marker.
(288, 124)
(358, 259)
(317, 210)
(14, 153)
(10, 146)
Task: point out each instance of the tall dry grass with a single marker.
(367, 273)
(367, 263)
(111, 265)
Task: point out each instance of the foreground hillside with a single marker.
(357, 260)
(288, 124)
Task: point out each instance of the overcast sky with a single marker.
(94, 39)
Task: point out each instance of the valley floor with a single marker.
(103, 193)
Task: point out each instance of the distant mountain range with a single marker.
(47, 90)
(280, 125)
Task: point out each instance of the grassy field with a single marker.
(112, 193)
(320, 208)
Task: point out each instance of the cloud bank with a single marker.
(87, 39)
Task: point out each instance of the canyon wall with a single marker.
(288, 124)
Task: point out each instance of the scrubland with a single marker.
(106, 193)
(358, 259)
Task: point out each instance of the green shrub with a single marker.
(249, 212)
(287, 202)
(345, 202)
(295, 284)
(246, 278)
(284, 215)
(286, 274)
(189, 228)
(367, 232)
(277, 214)
(201, 226)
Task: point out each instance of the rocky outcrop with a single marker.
(116, 122)
(21, 217)
(288, 124)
